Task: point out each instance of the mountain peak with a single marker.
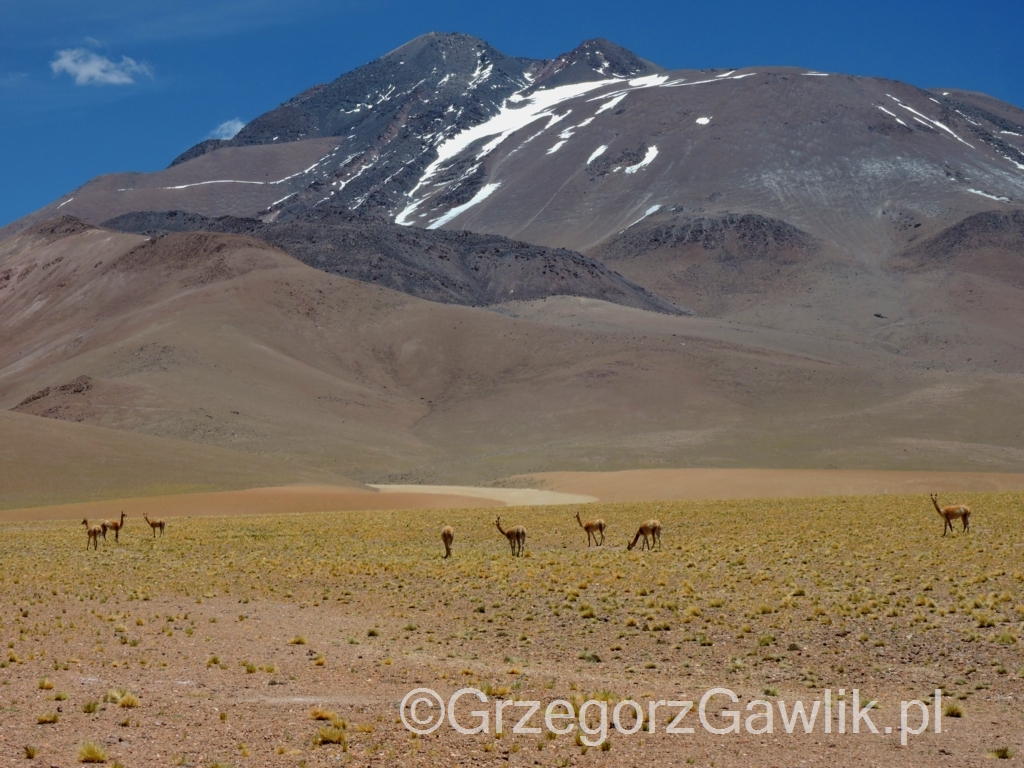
(595, 55)
(446, 41)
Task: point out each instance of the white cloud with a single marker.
(88, 68)
(227, 129)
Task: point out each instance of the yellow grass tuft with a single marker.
(91, 752)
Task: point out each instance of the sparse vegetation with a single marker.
(811, 601)
(329, 734)
(122, 697)
(91, 752)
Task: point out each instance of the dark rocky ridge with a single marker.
(712, 262)
(988, 244)
(453, 267)
(735, 237)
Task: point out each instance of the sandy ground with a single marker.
(550, 488)
(515, 497)
(695, 484)
(254, 501)
(229, 632)
(213, 369)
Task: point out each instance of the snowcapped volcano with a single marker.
(744, 266)
(447, 132)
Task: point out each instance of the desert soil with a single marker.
(230, 630)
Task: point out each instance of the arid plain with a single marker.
(291, 359)
(257, 406)
(290, 639)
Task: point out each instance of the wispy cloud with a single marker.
(89, 68)
(227, 129)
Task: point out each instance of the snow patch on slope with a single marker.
(479, 197)
(517, 112)
(648, 212)
(652, 153)
(648, 81)
(924, 118)
(596, 153)
(610, 104)
(990, 197)
(892, 115)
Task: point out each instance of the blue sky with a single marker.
(114, 85)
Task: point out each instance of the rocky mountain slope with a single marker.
(222, 341)
(446, 132)
(451, 267)
(850, 249)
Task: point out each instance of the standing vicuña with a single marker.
(951, 513)
(651, 531)
(115, 526)
(447, 536)
(94, 532)
(154, 524)
(516, 536)
(592, 527)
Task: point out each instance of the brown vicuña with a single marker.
(592, 527)
(651, 531)
(447, 536)
(115, 526)
(516, 536)
(94, 532)
(951, 513)
(154, 524)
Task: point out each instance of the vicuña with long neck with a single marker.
(651, 531)
(115, 526)
(593, 528)
(94, 532)
(516, 536)
(951, 513)
(154, 524)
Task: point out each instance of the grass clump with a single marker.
(122, 697)
(952, 709)
(330, 734)
(91, 752)
(48, 719)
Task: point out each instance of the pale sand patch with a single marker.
(695, 484)
(252, 501)
(513, 497)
